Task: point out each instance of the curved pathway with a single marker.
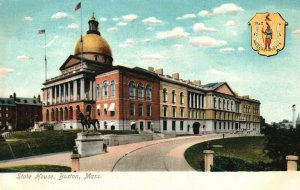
(158, 155)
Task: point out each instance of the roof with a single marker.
(20, 101)
(213, 85)
(7, 102)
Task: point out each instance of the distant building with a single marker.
(18, 113)
(124, 98)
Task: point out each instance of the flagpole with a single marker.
(81, 31)
(45, 56)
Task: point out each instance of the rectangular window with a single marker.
(220, 125)
(141, 125)
(181, 112)
(7, 115)
(6, 108)
(165, 125)
(0, 108)
(140, 108)
(215, 125)
(112, 113)
(149, 125)
(181, 125)
(98, 92)
(174, 112)
(165, 111)
(0, 114)
(173, 125)
(98, 111)
(0, 123)
(148, 110)
(131, 109)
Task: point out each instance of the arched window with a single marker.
(140, 90)
(165, 95)
(231, 105)
(223, 104)
(131, 89)
(112, 88)
(98, 92)
(173, 96)
(104, 90)
(227, 104)
(181, 98)
(148, 92)
(219, 103)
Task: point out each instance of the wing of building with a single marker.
(124, 98)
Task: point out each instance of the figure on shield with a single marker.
(268, 36)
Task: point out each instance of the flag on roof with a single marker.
(41, 31)
(78, 6)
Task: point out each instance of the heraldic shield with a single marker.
(267, 33)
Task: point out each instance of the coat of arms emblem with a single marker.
(267, 33)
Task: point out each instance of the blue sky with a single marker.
(158, 33)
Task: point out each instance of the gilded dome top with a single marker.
(93, 43)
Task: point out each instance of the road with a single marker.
(158, 155)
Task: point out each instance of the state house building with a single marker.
(124, 98)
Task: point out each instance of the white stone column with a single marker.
(64, 87)
(291, 162)
(208, 160)
(190, 100)
(199, 101)
(91, 90)
(194, 100)
(82, 89)
(69, 91)
(75, 90)
(50, 95)
(55, 93)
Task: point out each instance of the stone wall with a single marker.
(114, 140)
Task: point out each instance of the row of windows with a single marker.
(140, 110)
(165, 112)
(140, 90)
(6, 108)
(105, 86)
(223, 104)
(165, 125)
(3, 123)
(165, 96)
(247, 109)
(225, 125)
(224, 115)
(196, 115)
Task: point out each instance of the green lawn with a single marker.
(22, 143)
(237, 151)
(36, 168)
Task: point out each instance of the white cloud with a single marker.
(103, 19)
(111, 29)
(227, 50)
(175, 33)
(129, 18)
(152, 57)
(59, 15)
(28, 18)
(186, 16)
(122, 23)
(200, 27)
(147, 40)
(24, 57)
(152, 20)
(206, 41)
(234, 33)
(230, 23)
(228, 8)
(178, 46)
(73, 26)
(127, 43)
(220, 75)
(115, 19)
(296, 32)
(150, 28)
(4, 71)
(241, 49)
(52, 41)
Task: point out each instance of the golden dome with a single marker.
(93, 43)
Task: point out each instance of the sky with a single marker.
(202, 40)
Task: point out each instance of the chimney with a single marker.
(39, 98)
(197, 82)
(159, 71)
(246, 97)
(175, 76)
(15, 96)
(150, 69)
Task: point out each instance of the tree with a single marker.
(280, 143)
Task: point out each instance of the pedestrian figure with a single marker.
(223, 135)
(104, 147)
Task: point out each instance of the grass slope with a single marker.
(246, 149)
(22, 143)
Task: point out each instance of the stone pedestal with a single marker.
(75, 166)
(208, 160)
(291, 162)
(36, 127)
(89, 144)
